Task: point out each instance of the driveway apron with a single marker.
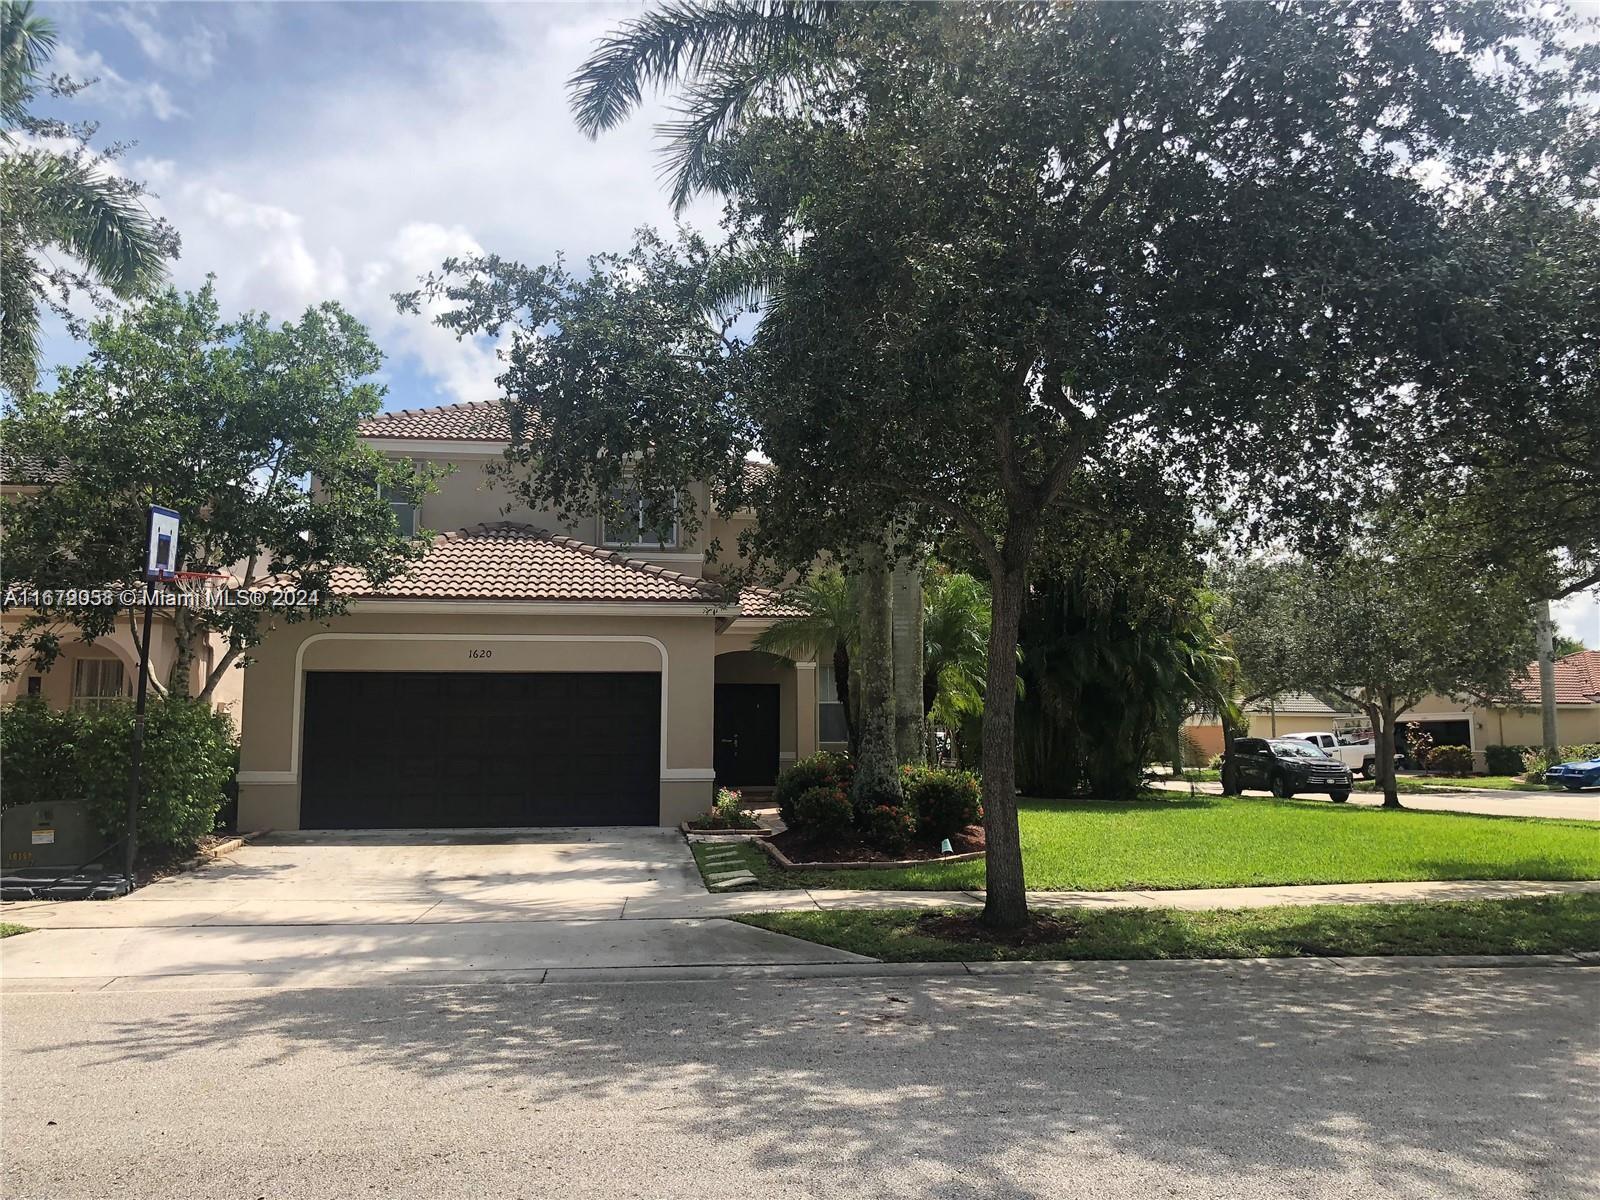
(327, 908)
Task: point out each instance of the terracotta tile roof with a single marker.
(1303, 703)
(27, 468)
(508, 561)
(477, 421)
(1577, 679)
(764, 602)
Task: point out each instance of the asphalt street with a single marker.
(1290, 1079)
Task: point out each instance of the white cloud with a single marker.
(192, 54)
(112, 88)
(1579, 616)
(374, 178)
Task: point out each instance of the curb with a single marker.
(210, 854)
(718, 835)
(788, 864)
(703, 973)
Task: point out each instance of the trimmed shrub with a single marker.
(945, 802)
(187, 762)
(1450, 760)
(888, 829)
(824, 813)
(190, 757)
(1504, 760)
(37, 745)
(891, 793)
(727, 811)
(822, 769)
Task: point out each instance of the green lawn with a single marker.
(1541, 925)
(7, 929)
(1214, 841)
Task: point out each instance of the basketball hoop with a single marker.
(197, 583)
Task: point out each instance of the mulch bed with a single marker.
(803, 850)
(1041, 930)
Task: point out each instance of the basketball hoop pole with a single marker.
(160, 562)
(132, 846)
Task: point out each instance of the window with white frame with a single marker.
(97, 682)
(624, 522)
(405, 512)
(831, 725)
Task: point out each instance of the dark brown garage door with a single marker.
(431, 749)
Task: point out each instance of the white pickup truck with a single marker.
(1351, 743)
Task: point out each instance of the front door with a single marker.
(747, 734)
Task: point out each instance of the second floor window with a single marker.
(624, 523)
(405, 513)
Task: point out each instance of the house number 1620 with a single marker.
(477, 652)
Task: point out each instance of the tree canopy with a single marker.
(1031, 266)
(228, 421)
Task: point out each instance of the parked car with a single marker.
(1355, 748)
(1288, 766)
(1575, 776)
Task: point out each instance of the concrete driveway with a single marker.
(329, 908)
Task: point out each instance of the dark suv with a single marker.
(1286, 766)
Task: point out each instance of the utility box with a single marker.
(49, 834)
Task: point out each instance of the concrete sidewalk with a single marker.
(378, 917)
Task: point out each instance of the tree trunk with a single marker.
(1547, 684)
(909, 735)
(1230, 778)
(1384, 719)
(877, 769)
(1006, 903)
(841, 691)
(184, 636)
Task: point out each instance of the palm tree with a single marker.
(827, 631)
(955, 656)
(64, 201)
(735, 61)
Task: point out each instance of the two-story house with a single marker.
(521, 673)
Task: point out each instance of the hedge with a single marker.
(189, 760)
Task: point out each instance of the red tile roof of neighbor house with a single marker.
(26, 468)
(1577, 679)
(507, 561)
(475, 421)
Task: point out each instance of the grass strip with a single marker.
(1531, 925)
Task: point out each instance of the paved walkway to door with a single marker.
(325, 908)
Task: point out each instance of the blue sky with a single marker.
(335, 151)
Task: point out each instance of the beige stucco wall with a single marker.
(55, 685)
(1575, 724)
(269, 785)
(1263, 725)
(470, 495)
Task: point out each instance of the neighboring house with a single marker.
(1451, 722)
(1577, 679)
(521, 673)
(88, 675)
